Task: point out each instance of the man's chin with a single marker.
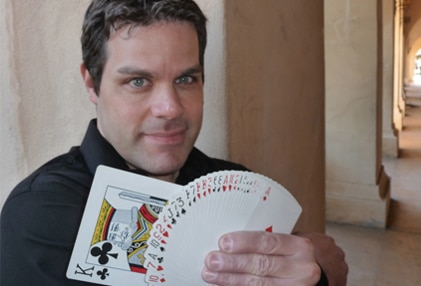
(164, 169)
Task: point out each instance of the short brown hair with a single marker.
(104, 16)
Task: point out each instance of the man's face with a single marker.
(150, 102)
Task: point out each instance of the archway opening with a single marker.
(416, 78)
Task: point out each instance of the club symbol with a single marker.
(103, 274)
(103, 254)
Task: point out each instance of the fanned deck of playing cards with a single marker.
(141, 231)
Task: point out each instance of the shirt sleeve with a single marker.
(323, 279)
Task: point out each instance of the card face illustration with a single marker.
(115, 227)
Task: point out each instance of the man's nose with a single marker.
(166, 102)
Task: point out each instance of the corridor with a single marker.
(392, 257)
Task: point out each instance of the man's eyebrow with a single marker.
(193, 70)
(128, 70)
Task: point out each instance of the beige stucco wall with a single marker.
(44, 109)
(213, 137)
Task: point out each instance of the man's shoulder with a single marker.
(41, 218)
(58, 175)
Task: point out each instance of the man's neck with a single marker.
(169, 178)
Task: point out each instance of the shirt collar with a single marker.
(98, 151)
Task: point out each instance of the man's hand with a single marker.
(330, 257)
(262, 258)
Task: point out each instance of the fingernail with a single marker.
(226, 243)
(215, 262)
(208, 276)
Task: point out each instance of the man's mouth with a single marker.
(173, 137)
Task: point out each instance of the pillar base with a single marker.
(357, 204)
(390, 145)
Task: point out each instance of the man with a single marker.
(143, 69)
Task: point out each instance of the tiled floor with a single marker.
(379, 257)
(393, 256)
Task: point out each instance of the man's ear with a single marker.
(89, 84)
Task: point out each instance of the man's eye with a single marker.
(185, 79)
(138, 82)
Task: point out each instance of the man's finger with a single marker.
(264, 243)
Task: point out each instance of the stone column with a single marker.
(357, 187)
(399, 104)
(275, 90)
(390, 133)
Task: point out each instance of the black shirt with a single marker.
(40, 219)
